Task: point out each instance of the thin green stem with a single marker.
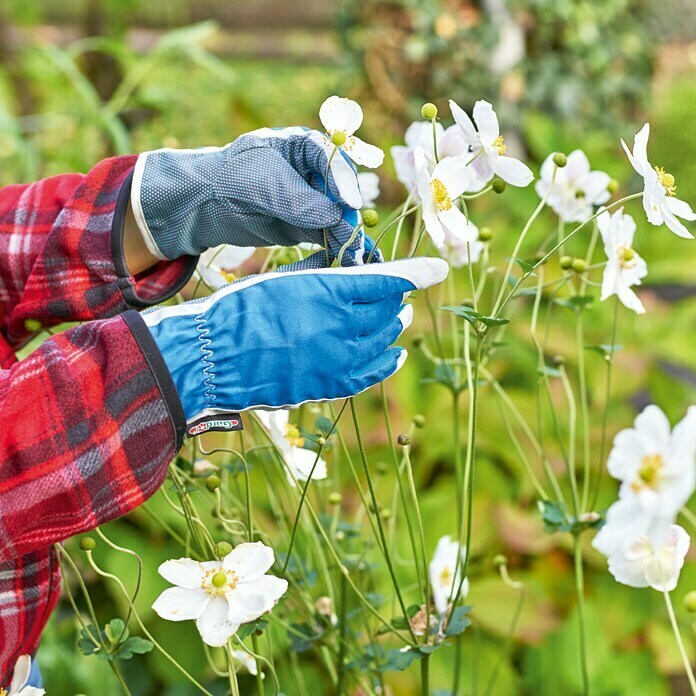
(580, 594)
(682, 650)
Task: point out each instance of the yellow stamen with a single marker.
(627, 257)
(228, 276)
(446, 577)
(499, 145)
(648, 472)
(442, 198)
(667, 181)
(217, 581)
(3, 692)
(292, 435)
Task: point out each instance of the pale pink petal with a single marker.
(214, 626)
(177, 604)
(486, 122)
(182, 572)
(340, 114)
(249, 561)
(452, 143)
(363, 153)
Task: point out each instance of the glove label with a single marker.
(222, 422)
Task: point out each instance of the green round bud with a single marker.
(579, 265)
(335, 498)
(88, 544)
(468, 302)
(485, 234)
(560, 160)
(340, 535)
(222, 548)
(32, 325)
(212, 482)
(386, 513)
(566, 262)
(338, 138)
(382, 468)
(613, 186)
(219, 580)
(499, 560)
(558, 360)
(690, 602)
(321, 441)
(418, 341)
(419, 420)
(429, 111)
(498, 185)
(370, 217)
(404, 440)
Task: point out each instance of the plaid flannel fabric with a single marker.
(90, 420)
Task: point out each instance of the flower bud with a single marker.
(222, 548)
(560, 160)
(321, 441)
(212, 482)
(335, 498)
(338, 138)
(340, 535)
(429, 111)
(566, 262)
(499, 560)
(32, 325)
(485, 234)
(613, 186)
(88, 544)
(404, 440)
(690, 602)
(498, 185)
(579, 265)
(386, 513)
(418, 420)
(370, 217)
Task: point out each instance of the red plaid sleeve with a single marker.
(61, 252)
(104, 423)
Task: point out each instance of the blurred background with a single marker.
(84, 79)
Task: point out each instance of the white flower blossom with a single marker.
(642, 563)
(20, 677)
(344, 116)
(575, 189)
(444, 572)
(369, 188)
(289, 441)
(246, 661)
(659, 189)
(488, 146)
(438, 192)
(220, 595)
(625, 268)
(217, 266)
(460, 252)
(418, 134)
(657, 470)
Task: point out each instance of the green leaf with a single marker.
(135, 645)
(458, 622)
(323, 425)
(526, 266)
(606, 351)
(554, 515)
(472, 316)
(116, 631)
(245, 630)
(576, 304)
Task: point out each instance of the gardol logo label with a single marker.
(215, 423)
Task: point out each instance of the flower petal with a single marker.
(363, 153)
(680, 208)
(653, 428)
(178, 604)
(638, 166)
(249, 600)
(486, 122)
(342, 171)
(465, 124)
(369, 187)
(20, 676)
(182, 572)
(674, 224)
(340, 114)
(214, 626)
(513, 171)
(302, 461)
(577, 166)
(640, 145)
(454, 173)
(457, 225)
(249, 561)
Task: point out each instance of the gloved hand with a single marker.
(279, 340)
(266, 188)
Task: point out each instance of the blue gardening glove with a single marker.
(266, 188)
(279, 340)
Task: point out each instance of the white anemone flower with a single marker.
(625, 268)
(20, 677)
(220, 595)
(642, 563)
(444, 572)
(341, 117)
(246, 661)
(438, 192)
(217, 266)
(459, 252)
(369, 188)
(657, 470)
(488, 146)
(418, 134)
(575, 189)
(659, 189)
(287, 438)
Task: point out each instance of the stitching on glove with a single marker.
(206, 356)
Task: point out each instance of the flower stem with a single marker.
(425, 675)
(682, 650)
(580, 592)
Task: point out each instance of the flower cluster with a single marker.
(657, 470)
